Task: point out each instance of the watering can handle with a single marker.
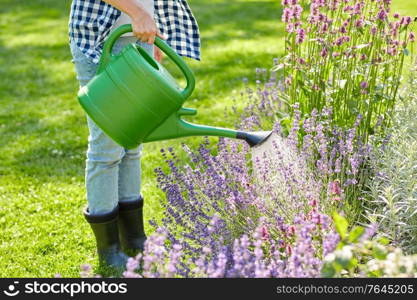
(161, 44)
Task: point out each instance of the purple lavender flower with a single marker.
(324, 52)
(287, 15)
(405, 21)
(412, 37)
(364, 85)
(290, 28)
(300, 35)
(382, 15)
(335, 188)
(359, 23)
(297, 11)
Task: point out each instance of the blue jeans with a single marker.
(112, 173)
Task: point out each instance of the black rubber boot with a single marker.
(131, 229)
(106, 231)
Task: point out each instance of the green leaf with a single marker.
(375, 274)
(285, 125)
(383, 241)
(328, 270)
(353, 263)
(379, 252)
(341, 225)
(406, 52)
(355, 234)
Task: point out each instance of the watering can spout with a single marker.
(253, 138)
(175, 127)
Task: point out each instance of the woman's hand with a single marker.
(144, 27)
(143, 24)
(158, 54)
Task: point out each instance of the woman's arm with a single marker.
(143, 24)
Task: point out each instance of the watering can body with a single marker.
(135, 100)
(132, 94)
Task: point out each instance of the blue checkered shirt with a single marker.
(91, 21)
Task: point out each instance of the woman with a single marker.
(112, 173)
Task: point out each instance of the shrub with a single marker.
(347, 55)
(392, 197)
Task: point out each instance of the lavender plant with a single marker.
(258, 255)
(347, 55)
(229, 216)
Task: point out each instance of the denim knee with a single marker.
(133, 153)
(101, 148)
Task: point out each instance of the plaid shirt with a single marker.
(91, 20)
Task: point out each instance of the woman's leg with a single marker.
(103, 154)
(131, 225)
(129, 168)
(101, 174)
(106, 160)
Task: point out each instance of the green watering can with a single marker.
(135, 100)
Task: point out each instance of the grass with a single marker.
(43, 133)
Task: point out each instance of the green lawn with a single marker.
(43, 133)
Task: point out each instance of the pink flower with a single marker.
(334, 5)
(291, 230)
(364, 85)
(395, 42)
(406, 21)
(396, 15)
(359, 23)
(297, 12)
(265, 233)
(301, 61)
(287, 15)
(382, 15)
(348, 8)
(374, 30)
(358, 8)
(392, 51)
(395, 26)
(313, 203)
(343, 29)
(300, 35)
(324, 52)
(290, 28)
(335, 188)
(340, 41)
(289, 250)
(412, 37)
